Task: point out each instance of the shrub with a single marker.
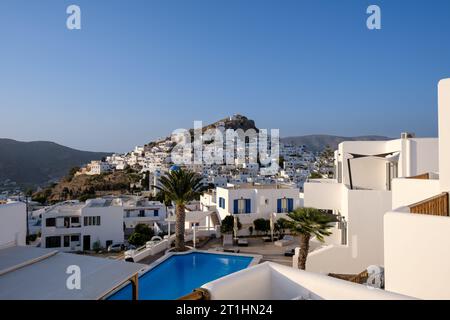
(142, 233)
(262, 225)
(96, 246)
(228, 224)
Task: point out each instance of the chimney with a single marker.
(407, 135)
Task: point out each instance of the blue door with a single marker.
(236, 206)
(248, 207)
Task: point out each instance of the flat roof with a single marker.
(258, 186)
(40, 274)
(192, 216)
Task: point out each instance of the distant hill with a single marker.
(317, 142)
(39, 162)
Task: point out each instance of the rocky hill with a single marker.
(83, 187)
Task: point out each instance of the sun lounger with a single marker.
(287, 240)
(243, 243)
(227, 240)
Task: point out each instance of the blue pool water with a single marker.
(180, 274)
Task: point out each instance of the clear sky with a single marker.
(139, 69)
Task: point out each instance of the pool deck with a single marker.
(257, 246)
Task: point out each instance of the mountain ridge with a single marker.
(38, 163)
(317, 142)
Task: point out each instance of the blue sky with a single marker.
(139, 69)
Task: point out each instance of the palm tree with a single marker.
(180, 186)
(308, 222)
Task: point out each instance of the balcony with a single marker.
(436, 206)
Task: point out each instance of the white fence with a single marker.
(146, 251)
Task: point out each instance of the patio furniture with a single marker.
(231, 250)
(243, 243)
(287, 240)
(227, 240)
(289, 253)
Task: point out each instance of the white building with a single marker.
(75, 226)
(360, 195)
(141, 211)
(251, 201)
(13, 229)
(417, 231)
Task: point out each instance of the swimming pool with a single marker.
(179, 274)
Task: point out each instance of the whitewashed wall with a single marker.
(13, 226)
(417, 258)
(408, 191)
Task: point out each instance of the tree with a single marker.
(280, 225)
(181, 186)
(315, 175)
(227, 224)
(142, 233)
(326, 162)
(281, 161)
(308, 222)
(136, 239)
(262, 225)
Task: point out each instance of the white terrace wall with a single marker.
(365, 235)
(417, 258)
(409, 191)
(12, 224)
(444, 134)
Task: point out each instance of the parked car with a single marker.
(117, 247)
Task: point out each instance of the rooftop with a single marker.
(40, 274)
(257, 186)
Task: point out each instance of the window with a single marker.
(53, 242)
(285, 205)
(156, 213)
(141, 213)
(75, 219)
(221, 202)
(50, 222)
(242, 206)
(75, 238)
(92, 221)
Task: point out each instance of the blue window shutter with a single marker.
(278, 205)
(156, 213)
(236, 206)
(248, 207)
(290, 204)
